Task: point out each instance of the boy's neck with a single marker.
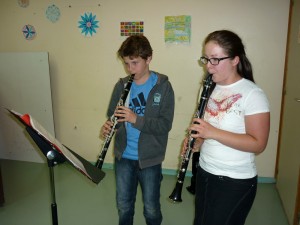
(143, 78)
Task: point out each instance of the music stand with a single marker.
(55, 154)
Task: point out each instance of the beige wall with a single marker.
(84, 70)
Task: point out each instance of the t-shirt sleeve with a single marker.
(256, 102)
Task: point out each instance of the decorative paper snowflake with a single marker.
(23, 3)
(88, 24)
(53, 13)
(29, 32)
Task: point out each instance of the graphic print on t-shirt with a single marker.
(138, 104)
(218, 106)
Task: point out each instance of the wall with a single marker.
(84, 70)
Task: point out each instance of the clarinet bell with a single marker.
(176, 194)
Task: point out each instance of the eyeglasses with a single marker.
(213, 61)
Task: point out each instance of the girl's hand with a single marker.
(202, 129)
(196, 147)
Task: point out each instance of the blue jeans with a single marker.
(128, 175)
(221, 200)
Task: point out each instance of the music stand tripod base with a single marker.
(53, 158)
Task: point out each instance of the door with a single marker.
(288, 159)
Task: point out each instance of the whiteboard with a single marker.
(25, 88)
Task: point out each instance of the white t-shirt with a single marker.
(226, 109)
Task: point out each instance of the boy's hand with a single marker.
(125, 114)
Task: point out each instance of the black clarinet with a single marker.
(176, 194)
(114, 120)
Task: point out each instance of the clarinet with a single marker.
(176, 194)
(114, 120)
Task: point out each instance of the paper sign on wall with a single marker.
(178, 29)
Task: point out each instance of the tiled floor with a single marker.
(79, 201)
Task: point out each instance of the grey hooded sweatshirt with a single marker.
(154, 125)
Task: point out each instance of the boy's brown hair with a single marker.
(135, 46)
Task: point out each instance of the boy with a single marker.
(141, 137)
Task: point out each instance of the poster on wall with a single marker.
(128, 28)
(88, 24)
(178, 29)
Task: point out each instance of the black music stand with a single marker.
(55, 154)
(53, 158)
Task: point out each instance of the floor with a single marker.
(79, 201)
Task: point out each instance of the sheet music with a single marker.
(30, 121)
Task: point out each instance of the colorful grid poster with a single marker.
(178, 29)
(132, 28)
